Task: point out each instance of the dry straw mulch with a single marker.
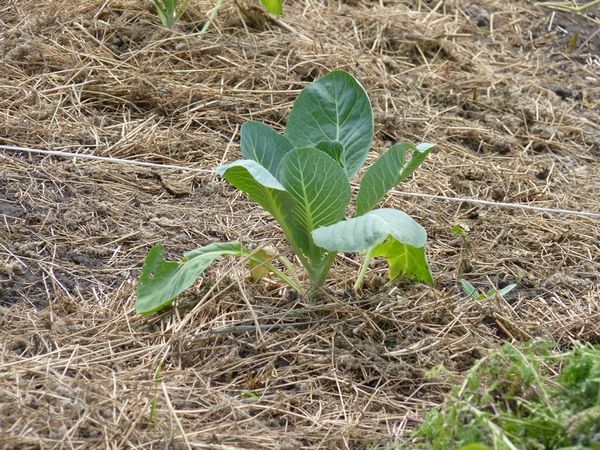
(516, 119)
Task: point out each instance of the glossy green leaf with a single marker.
(258, 183)
(264, 145)
(334, 108)
(405, 260)
(161, 280)
(321, 192)
(366, 231)
(389, 170)
(275, 7)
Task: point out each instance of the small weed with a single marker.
(514, 400)
(153, 404)
(472, 291)
(250, 394)
(460, 231)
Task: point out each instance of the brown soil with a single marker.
(509, 94)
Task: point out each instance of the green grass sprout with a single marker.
(170, 11)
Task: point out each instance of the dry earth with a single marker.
(509, 91)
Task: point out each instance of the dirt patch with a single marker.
(513, 110)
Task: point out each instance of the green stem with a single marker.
(363, 269)
(211, 16)
(291, 281)
(286, 262)
(319, 275)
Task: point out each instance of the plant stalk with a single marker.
(291, 281)
(363, 269)
(286, 262)
(211, 16)
(319, 275)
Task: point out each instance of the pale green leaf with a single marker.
(334, 108)
(506, 289)
(264, 145)
(363, 232)
(389, 233)
(388, 171)
(161, 280)
(468, 288)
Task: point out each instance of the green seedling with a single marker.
(460, 231)
(472, 291)
(154, 403)
(170, 11)
(302, 177)
(250, 394)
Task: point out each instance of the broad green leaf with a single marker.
(366, 231)
(161, 280)
(258, 183)
(321, 191)
(264, 145)
(388, 171)
(334, 108)
(333, 149)
(405, 260)
(273, 6)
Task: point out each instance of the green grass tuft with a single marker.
(521, 399)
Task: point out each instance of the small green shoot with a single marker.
(302, 177)
(459, 231)
(250, 394)
(472, 291)
(170, 11)
(154, 403)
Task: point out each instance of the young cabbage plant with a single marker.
(302, 177)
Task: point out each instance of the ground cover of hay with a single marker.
(512, 101)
